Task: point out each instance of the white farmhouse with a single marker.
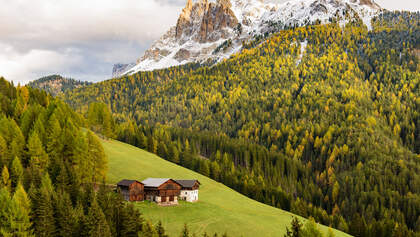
(189, 190)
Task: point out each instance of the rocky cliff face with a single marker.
(205, 21)
(211, 30)
(120, 68)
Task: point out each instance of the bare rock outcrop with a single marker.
(204, 21)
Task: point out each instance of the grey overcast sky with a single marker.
(82, 39)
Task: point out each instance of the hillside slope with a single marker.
(220, 208)
(335, 109)
(56, 84)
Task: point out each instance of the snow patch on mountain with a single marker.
(209, 31)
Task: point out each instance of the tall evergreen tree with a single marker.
(97, 158)
(95, 222)
(131, 222)
(65, 217)
(43, 209)
(311, 229)
(38, 156)
(54, 145)
(5, 212)
(5, 179)
(16, 172)
(3, 152)
(21, 209)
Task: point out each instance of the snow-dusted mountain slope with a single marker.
(211, 30)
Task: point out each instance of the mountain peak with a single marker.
(204, 21)
(211, 30)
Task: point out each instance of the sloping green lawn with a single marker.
(219, 209)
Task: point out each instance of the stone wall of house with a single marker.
(189, 195)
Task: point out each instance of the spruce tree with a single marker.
(5, 179)
(21, 209)
(16, 172)
(97, 158)
(38, 156)
(311, 229)
(5, 212)
(148, 230)
(66, 220)
(43, 209)
(173, 153)
(131, 222)
(296, 229)
(160, 230)
(95, 223)
(3, 152)
(54, 146)
(142, 140)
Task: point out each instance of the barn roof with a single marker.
(154, 182)
(187, 183)
(126, 182)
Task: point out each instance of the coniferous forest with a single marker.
(320, 120)
(51, 170)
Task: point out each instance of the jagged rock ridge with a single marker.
(209, 31)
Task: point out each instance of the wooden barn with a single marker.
(132, 190)
(162, 191)
(189, 189)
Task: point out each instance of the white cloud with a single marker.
(80, 20)
(409, 5)
(38, 35)
(84, 38)
(17, 67)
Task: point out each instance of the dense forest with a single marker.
(50, 170)
(321, 120)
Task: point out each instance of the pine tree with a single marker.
(21, 208)
(311, 229)
(3, 151)
(97, 158)
(43, 209)
(38, 156)
(131, 222)
(54, 146)
(95, 223)
(16, 172)
(358, 226)
(5, 212)
(148, 230)
(295, 230)
(142, 140)
(5, 180)
(66, 221)
(173, 154)
(160, 230)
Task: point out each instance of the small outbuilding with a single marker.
(189, 190)
(162, 190)
(132, 190)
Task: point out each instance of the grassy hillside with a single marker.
(220, 208)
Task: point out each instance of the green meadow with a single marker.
(219, 209)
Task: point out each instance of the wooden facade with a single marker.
(162, 191)
(131, 190)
